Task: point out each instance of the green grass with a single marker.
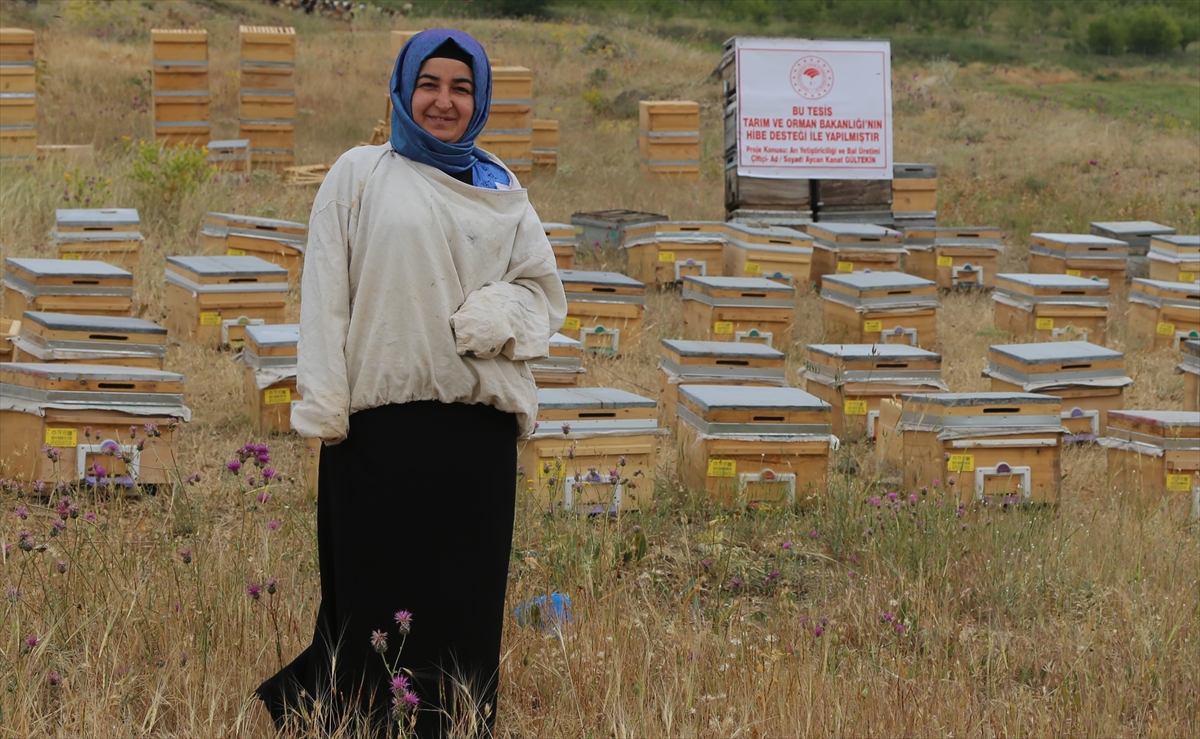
(1165, 104)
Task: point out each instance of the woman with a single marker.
(428, 283)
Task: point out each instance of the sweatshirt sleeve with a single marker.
(517, 315)
(323, 411)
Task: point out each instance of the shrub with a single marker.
(1151, 30)
(1104, 36)
(165, 176)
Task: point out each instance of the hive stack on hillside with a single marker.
(110, 235)
(914, 195)
(853, 201)
(267, 100)
(669, 138)
(508, 133)
(18, 95)
(545, 145)
(181, 96)
(1138, 234)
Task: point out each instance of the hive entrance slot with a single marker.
(777, 241)
(767, 418)
(1071, 292)
(598, 414)
(115, 385)
(96, 228)
(604, 289)
(1076, 366)
(85, 282)
(966, 236)
(108, 337)
(1001, 410)
(244, 279)
(892, 365)
(754, 295)
(899, 292)
(734, 362)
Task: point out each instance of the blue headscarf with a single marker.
(412, 141)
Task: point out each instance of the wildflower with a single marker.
(411, 700)
(887, 617)
(133, 432)
(950, 481)
(892, 497)
(771, 577)
(22, 513)
(91, 516)
(566, 429)
(32, 641)
(399, 684)
(273, 525)
(13, 594)
(937, 483)
(900, 629)
(912, 499)
(38, 486)
(875, 501)
(268, 473)
(787, 546)
(272, 585)
(379, 641)
(58, 527)
(262, 458)
(706, 564)
(737, 582)
(234, 466)
(52, 453)
(814, 534)
(818, 630)
(264, 497)
(151, 429)
(64, 510)
(193, 478)
(404, 621)
(622, 461)
(254, 591)
(53, 678)
(186, 555)
(60, 567)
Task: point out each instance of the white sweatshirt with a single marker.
(419, 287)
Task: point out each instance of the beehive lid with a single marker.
(615, 218)
(750, 411)
(737, 397)
(587, 398)
(722, 349)
(256, 223)
(572, 412)
(853, 233)
(1056, 352)
(1161, 292)
(874, 353)
(677, 229)
(880, 290)
(68, 268)
(572, 277)
(911, 170)
(834, 364)
(229, 145)
(953, 414)
(29, 387)
(1043, 364)
(984, 237)
(94, 324)
(739, 287)
(1162, 429)
(216, 267)
(273, 335)
(767, 237)
(98, 219)
(1182, 242)
(1074, 242)
(1135, 229)
(871, 281)
(1044, 286)
(980, 400)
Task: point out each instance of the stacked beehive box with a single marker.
(853, 201)
(738, 309)
(604, 310)
(953, 257)
(1052, 307)
(1174, 258)
(562, 241)
(508, 133)
(607, 229)
(715, 363)
(593, 450)
(86, 339)
(844, 248)
(666, 252)
(10, 329)
(1138, 235)
(780, 254)
(914, 195)
(1090, 380)
(1078, 255)
(277, 241)
(269, 357)
(66, 286)
(1190, 367)
(669, 138)
(230, 155)
(563, 368)
(110, 235)
(880, 308)
(545, 145)
(211, 300)
(18, 95)
(181, 86)
(1156, 454)
(399, 39)
(1167, 311)
(267, 99)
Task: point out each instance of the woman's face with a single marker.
(444, 99)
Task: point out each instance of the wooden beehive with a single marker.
(854, 378)
(669, 138)
(952, 256)
(1190, 367)
(853, 201)
(880, 308)
(1078, 255)
(738, 309)
(211, 300)
(914, 189)
(1001, 446)
(66, 286)
(761, 198)
(563, 368)
(562, 240)
(1089, 379)
(18, 95)
(277, 241)
(843, 248)
(110, 235)
(271, 142)
(180, 86)
(508, 133)
(86, 339)
(675, 250)
(399, 39)
(1138, 234)
(17, 46)
(1174, 258)
(86, 411)
(1155, 454)
(1167, 312)
(754, 445)
(269, 358)
(779, 254)
(714, 363)
(604, 310)
(605, 229)
(230, 155)
(545, 144)
(268, 87)
(1051, 307)
(9, 329)
(593, 451)
(275, 44)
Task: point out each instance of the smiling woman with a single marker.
(444, 100)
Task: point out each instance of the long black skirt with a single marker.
(415, 513)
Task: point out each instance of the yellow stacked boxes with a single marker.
(267, 101)
(669, 138)
(508, 134)
(230, 155)
(545, 145)
(181, 97)
(110, 235)
(18, 95)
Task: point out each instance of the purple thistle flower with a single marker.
(887, 617)
(60, 567)
(411, 700)
(262, 458)
(818, 630)
(25, 541)
(234, 466)
(268, 473)
(379, 641)
(814, 534)
(892, 497)
(900, 629)
(272, 585)
(787, 546)
(912, 499)
(32, 641)
(404, 621)
(186, 555)
(566, 429)
(399, 684)
(38, 486)
(193, 478)
(254, 591)
(91, 516)
(737, 582)
(58, 527)
(263, 497)
(273, 525)
(53, 678)
(22, 513)
(706, 564)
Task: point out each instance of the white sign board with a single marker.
(814, 109)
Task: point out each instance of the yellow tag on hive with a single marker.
(945, 261)
(872, 327)
(231, 252)
(723, 327)
(1074, 273)
(209, 318)
(1044, 324)
(1179, 483)
(961, 463)
(278, 395)
(855, 408)
(1165, 329)
(1187, 276)
(666, 256)
(845, 267)
(571, 324)
(722, 468)
(71, 255)
(546, 470)
(61, 437)
(753, 268)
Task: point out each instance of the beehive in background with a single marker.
(211, 300)
(111, 235)
(1051, 307)
(10, 329)
(604, 310)
(1090, 380)
(669, 138)
(779, 254)
(666, 252)
(18, 94)
(66, 286)
(181, 86)
(1174, 258)
(1156, 454)
(1078, 255)
(914, 195)
(230, 155)
(545, 145)
(85, 339)
(593, 450)
(853, 201)
(880, 308)
(267, 98)
(237, 235)
(563, 368)
(1001, 446)
(399, 39)
(1190, 367)
(562, 240)
(844, 248)
(508, 133)
(269, 357)
(952, 256)
(714, 363)
(750, 309)
(1167, 312)
(607, 229)
(1138, 234)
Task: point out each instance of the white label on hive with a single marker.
(61, 437)
(278, 395)
(722, 468)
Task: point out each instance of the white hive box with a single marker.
(86, 339)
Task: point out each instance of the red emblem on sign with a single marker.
(812, 77)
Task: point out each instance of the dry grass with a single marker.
(1081, 620)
